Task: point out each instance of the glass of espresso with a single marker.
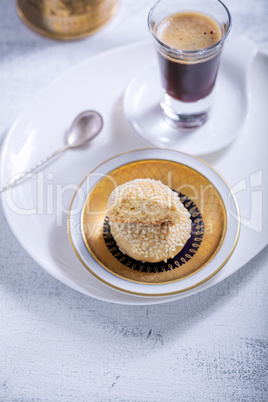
(189, 37)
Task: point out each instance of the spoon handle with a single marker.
(42, 162)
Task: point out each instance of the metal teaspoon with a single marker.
(86, 126)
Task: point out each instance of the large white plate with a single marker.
(37, 209)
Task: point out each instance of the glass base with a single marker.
(186, 121)
(185, 115)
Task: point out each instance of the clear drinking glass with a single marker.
(188, 76)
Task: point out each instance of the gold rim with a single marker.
(165, 294)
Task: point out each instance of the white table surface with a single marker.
(59, 345)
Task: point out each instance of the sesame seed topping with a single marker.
(148, 220)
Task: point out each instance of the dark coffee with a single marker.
(188, 82)
(182, 79)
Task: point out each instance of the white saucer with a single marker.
(228, 114)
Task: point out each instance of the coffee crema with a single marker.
(182, 78)
(189, 30)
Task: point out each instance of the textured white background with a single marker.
(59, 345)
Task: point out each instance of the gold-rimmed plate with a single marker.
(214, 215)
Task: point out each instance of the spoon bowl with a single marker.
(86, 126)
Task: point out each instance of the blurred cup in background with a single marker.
(66, 19)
